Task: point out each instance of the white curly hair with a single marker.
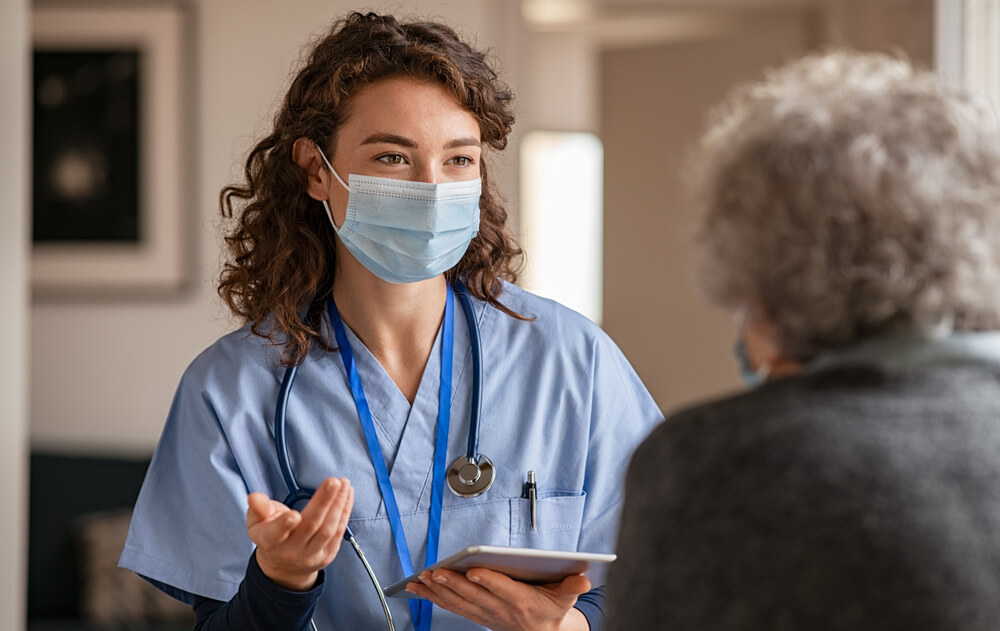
(850, 195)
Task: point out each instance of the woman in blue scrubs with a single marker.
(365, 214)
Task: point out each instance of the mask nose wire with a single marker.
(326, 205)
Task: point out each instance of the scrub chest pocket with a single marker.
(558, 518)
(507, 522)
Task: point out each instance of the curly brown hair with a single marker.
(281, 256)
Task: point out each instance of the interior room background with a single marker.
(94, 375)
(103, 368)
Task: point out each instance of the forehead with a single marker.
(407, 107)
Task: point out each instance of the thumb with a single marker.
(573, 586)
(261, 507)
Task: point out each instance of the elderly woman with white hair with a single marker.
(851, 222)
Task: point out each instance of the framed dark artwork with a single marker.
(107, 189)
(86, 146)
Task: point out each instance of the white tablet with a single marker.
(524, 564)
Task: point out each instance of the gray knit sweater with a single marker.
(856, 497)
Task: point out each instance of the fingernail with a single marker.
(440, 579)
(424, 577)
(474, 578)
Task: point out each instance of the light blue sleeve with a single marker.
(622, 415)
(188, 529)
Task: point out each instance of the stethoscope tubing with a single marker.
(472, 451)
(296, 493)
(279, 436)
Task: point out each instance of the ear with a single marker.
(763, 342)
(759, 334)
(305, 154)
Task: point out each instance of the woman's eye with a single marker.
(461, 161)
(392, 158)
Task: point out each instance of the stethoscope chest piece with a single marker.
(468, 478)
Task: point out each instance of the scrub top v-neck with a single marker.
(421, 610)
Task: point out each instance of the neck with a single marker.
(784, 368)
(387, 316)
(397, 323)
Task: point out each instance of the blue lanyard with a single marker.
(419, 609)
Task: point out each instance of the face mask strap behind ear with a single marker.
(752, 375)
(329, 212)
(332, 170)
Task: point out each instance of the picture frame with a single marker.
(108, 205)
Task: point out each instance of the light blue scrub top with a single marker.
(558, 397)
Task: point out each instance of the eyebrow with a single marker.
(462, 142)
(392, 139)
(403, 141)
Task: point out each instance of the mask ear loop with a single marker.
(329, 213)
(762, 369)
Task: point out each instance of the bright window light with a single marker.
(562, 218)
(982, 47)
(967, 44)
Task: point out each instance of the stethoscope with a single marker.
(468, 476)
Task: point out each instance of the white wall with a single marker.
(559, 77)
(654, 100)
(14, 126)
(103, 373)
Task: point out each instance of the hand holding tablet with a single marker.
(523, 564)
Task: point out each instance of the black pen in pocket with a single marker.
(531, 492)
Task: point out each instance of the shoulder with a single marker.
(558, 346)
(232, 357)
(689, 431)
(547, 320)
(772, 403)
(742, 426)
(823, 413)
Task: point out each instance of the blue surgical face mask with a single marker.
(405, 232)
(750, 375)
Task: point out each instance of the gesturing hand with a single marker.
(499, 602)
(292, 547)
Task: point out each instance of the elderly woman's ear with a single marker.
(763, 344)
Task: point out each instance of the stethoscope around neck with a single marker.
(468, 476)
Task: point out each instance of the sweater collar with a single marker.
(910, 351)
